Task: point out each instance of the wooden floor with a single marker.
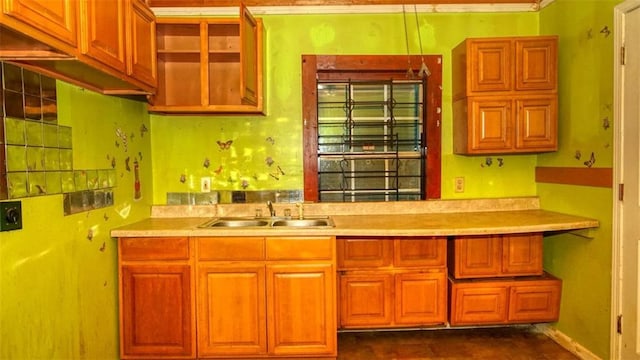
(508, 343)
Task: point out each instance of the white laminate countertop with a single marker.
(427, 218)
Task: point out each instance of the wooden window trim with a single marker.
(358, 67)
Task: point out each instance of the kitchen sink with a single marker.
(277, 222)
(309, 222)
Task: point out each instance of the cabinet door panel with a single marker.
(536, 123)
(156, 311)
(249, 57)
(490, 66)
(300, 309)
(421, 298)
(231, 310)
(477, 256)
(491, 125)
(366, 300)
(56, 18)
(364, 252)
(536, 64)
(431, 252)
(478, 305)
(141, 42)
(103, 32)
(535, 303)
(522, 254)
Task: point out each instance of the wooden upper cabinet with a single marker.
(141, 42)
(56, 18)
(505, 95)
(209, 65)
(249, 57)
(103, 31)
(490, 66)
(536, 64)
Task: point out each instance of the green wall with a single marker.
(182, 144)
(586, 106)
(58, 284)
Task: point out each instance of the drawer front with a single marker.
(354, 253)
(150, 249)
(538, 302)
(484, 304)
(422, 252)
(299, 248)
(231, 248)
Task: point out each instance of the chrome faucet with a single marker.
(272, 212)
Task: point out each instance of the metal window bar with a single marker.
(356, 128)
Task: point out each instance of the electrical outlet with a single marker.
(459, 185)
(205, 184)
(10, 215)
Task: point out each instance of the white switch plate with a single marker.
(205, 184)
(459, 185)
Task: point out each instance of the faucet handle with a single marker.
(300, 210)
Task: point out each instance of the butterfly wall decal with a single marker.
(224, 145)
(589, 163)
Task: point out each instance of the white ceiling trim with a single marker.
(345, 9)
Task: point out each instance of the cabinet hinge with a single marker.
(623, 55)
(621, 192)
(619, 325)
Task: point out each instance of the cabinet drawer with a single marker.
(427, 251)
(231, 248)
(299, 248)
(478, 303)
(149, 249)
(537, 301)
(356, 253)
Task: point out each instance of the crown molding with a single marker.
(348, 9)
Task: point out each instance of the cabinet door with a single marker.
(537, 123)
(538, 302)
(522, 254)
(477, 256)
(249, 57)
(300, 309)
(482, 304)
(490, 65)
(141, 42)
(536, 63)
(364, 252)
(490, 125)
(420, 252)
(57, 18)
(156, 311)
(231, 310)
(366, 300)
(102, 32)
(420, 298)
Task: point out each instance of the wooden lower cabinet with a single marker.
(392, 282)
(504, 301)
(495, 255)
(157, 306)
(300, 315)
(231, 310)
(266, 297)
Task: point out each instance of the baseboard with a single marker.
(566, 342)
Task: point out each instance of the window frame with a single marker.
(372, 67)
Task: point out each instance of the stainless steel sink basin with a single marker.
(245, 222)
(319, 222)
(236, 223)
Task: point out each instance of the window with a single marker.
(371, 133)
